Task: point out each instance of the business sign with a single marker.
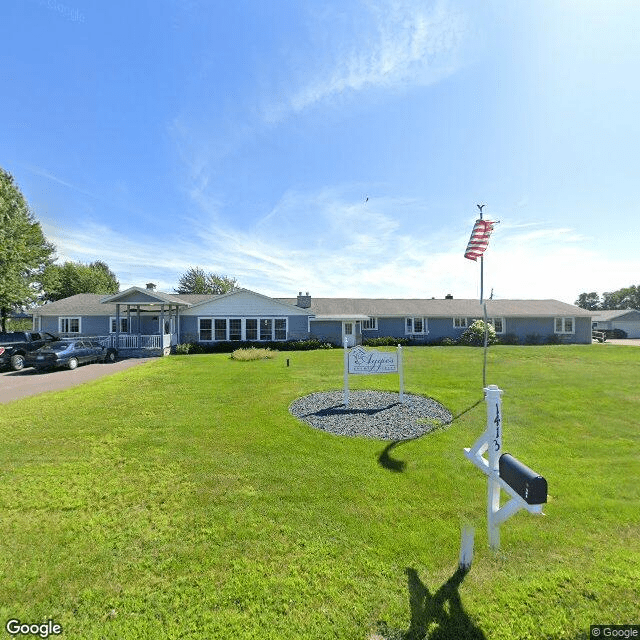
(366, 362)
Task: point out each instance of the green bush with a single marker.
(474, 335)
(231, 346)
(532, 339)
(387, 341)
(443, 342)
(509, 338)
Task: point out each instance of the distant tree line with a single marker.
(625, 298)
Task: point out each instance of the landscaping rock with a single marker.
(371, 414)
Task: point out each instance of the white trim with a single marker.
(460, 323)
(263, 324)
(68, 319)
(373, 321)
(410, 323)
(564, 320)
(112, 320)
(492, 322)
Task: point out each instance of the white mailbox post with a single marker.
(527, 489)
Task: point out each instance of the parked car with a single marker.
(70, 353)
(15, 345)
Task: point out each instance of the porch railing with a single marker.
(135, 341)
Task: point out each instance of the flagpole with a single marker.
(484, 306)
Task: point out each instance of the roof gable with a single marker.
(138, 296)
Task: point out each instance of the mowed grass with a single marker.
(180, 499)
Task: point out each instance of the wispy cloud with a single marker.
(390, 44)
(353, 249)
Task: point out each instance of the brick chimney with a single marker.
(151, 286)
(304, 301)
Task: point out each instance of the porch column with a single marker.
(117, 345)
(139, 325)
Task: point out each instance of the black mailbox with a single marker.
(525, 482)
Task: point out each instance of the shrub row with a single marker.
(229, 347)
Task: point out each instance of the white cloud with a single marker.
(391, 44)
(350, 248)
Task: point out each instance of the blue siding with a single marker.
(327, 331)
(440, 328)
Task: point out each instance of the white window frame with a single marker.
(460, 323)
(492, 322)
(263, 324)
(112, 324)
(370, 325)
(410, 323)
(67, 319)
(563, 321)
(212, 330)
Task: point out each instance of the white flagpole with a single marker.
(484, 306)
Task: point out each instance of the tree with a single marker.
(195, 280)
(62, 281)
(24, 251)
(589, 301)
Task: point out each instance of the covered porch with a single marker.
(145, 320)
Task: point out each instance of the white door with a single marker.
(348, 334)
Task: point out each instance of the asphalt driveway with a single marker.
(28, 382)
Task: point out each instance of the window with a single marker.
(564, 325)
(221, 329)
(415, 325)
(69, 325)
(235, 329)
(498, 324)
(265, 329)
(460, 323)
(280, 329)
(124, 325)
(251, 329)
(204, 328)
(370, 325)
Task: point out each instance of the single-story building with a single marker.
(627, 320)
(143, 318)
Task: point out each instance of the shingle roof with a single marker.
(380, 307)
(612, 314)
(89, 304)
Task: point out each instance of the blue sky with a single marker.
(245, 137)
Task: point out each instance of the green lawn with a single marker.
(180, 499)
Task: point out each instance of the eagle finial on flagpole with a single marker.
(481, 207)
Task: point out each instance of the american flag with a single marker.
(479, 240)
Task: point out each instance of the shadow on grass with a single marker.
(391, 464)
(439, 616)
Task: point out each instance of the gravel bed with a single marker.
(371, 414)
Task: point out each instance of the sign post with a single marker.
(527, 489)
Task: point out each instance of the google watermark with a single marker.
(614, 631)
(40, 629)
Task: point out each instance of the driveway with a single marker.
(19, 384)
(629, 342)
